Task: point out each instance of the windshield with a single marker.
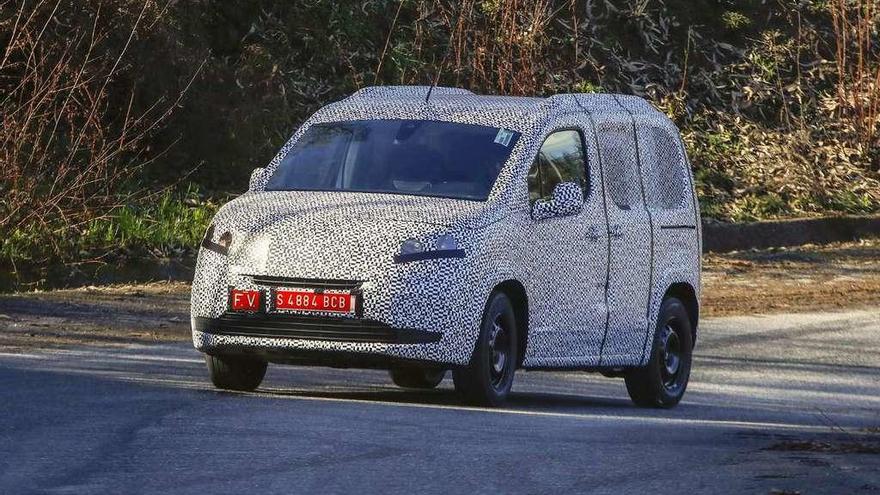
(416, 157)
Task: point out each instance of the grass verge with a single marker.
(170, 225)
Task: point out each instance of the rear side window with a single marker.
(560, 159)
(668, 191)
(618, 149)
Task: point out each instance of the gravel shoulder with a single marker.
(784, 280)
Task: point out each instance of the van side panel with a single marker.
(671, 200)
(562, 263)
(629, 227)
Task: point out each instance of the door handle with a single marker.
(615, 231)
(593, 233)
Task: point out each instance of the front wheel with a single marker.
(236, 372)
(663, 381)
(487, 379)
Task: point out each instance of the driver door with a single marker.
(565, 259)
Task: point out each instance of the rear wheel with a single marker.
(424, 378)
(236, 372)
(663, 381)
(486, 381)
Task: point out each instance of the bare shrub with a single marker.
(69, 138)
(857, 43)
(491, 46)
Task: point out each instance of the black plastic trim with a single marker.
(678, 227)
(312, 328)
(429, 255)
(307, 283)
(310, 357)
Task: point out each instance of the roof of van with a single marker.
(454, 104)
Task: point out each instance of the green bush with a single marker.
(168, 224)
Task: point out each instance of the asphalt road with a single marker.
(777, 404)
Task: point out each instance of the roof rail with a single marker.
(635, 104)
(405, 92)
(611, 102)
(559, 100)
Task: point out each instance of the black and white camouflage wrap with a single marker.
(564, 260)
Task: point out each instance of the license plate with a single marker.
(245, 300)
(306, 300)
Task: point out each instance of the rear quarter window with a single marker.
(668, 175)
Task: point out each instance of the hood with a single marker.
(254, 212)
(334, 235)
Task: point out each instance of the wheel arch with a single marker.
(516, 292)
(685, 293)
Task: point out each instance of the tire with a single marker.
(236, 372)
(487, 379)
(423, 378)
(663, 381)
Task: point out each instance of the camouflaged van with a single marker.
(426, 230)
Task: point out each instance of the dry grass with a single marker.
(783, 124)
(778, 101)
(494, 45)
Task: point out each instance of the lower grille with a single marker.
(313, 328)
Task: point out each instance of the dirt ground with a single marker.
(806, 278)
(111, 315)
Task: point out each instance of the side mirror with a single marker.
(567, 199)
(258, 179)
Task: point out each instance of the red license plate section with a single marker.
(245, 300)
(304, 300)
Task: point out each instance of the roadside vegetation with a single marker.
(111, 111)
(171, 224)
(836, 277)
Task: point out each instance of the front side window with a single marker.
(560, 159)
(417, 157)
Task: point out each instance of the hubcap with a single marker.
(499, 347)
(670, 353)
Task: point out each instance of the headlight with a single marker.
(225, 239)
(445, 246)
(412, 246)
(222, 244)
(251, 251)
(446, 243)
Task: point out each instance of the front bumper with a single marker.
(427, 311)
